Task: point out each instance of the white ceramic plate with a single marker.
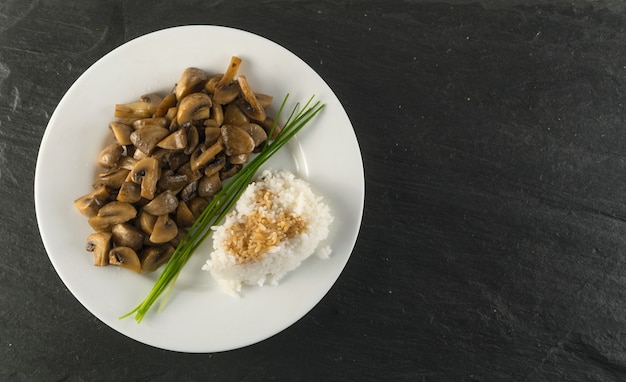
(198, 317)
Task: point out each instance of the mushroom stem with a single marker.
(231, 72)
(253, 107)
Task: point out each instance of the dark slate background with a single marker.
(494, 234)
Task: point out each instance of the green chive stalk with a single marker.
(222, 203)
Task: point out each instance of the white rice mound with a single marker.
(260, 263)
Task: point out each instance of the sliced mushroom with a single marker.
(192, 175)
(234, 116)
(109, 156)
(229, 170)
(271, 127)
(201, 157)
(227, 89)
(197, 205)
(177, 159)
(231, 71)
(90, 203)
(146, 172)
(168, 102)
(99, 243)
(225, 94)
(165, 203)
(202, 114)
(146, 139)
(250, 105)
(210, 122)
(193, 139)
(130, 192)
(236, 141)
(215, 165)
(154, 257)
(146, 221)
(179, 237)
(184, 216)
(139, 155)
(125, 235)
(209, 87)
(164, 230)
(239, 159)
(126, 163)
(190, 105)
(189, 191)
(151, 98)
(111, 214)
(191, 80)
(209, 185)
(161, 155)
(125, 257)
(265, 100)
(171, 181)
(257, 133)
(121, 132)
(145, 107)
(151, 122)
(171, 115)
(211, 135)
(175, 141)
(113, 178)
(217, 112)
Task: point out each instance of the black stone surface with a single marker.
(493, 243)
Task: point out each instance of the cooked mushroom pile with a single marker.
(170, 156)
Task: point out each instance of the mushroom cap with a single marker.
(257, 133)
(233, 115)
(99, 243)
(175, 141)
(239, 159)
(125, 257)
(229, 169)
(190, 105)
(151, 122)
(271, 127)
(171, 181)
(191, 80)
(215, 165)
(125, 235)
(121, 132)
(146, 221)
(111, 214)
(189, 191)
(90, 203)
(193, 139)
(202, 156)
(197, 205)
(236, 141)
(164, 230)
(146, 138)
(227, 93)
(184, 216)
(113, 179)
(209, 185)
(129, 192)
(168, 102)
(147, 173)
(154, 257)
(109, 156)
(163, 204)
